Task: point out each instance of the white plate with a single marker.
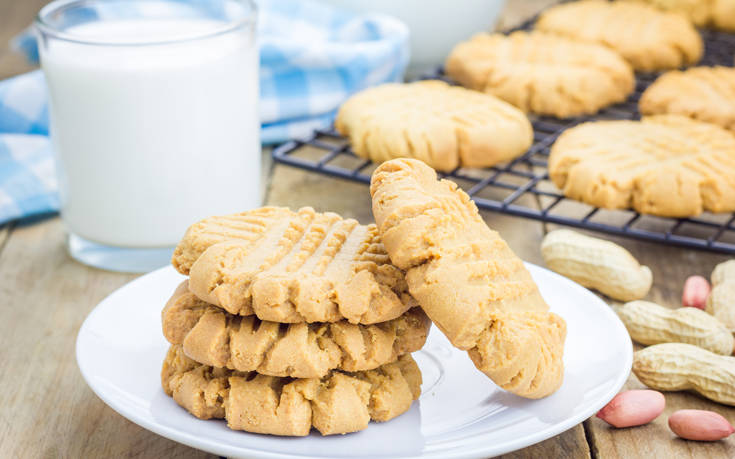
(461, 413)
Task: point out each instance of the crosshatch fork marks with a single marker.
(303, 266)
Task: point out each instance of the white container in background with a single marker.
(435, 25)
(154, 121)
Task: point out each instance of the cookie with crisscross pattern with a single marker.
(443, 126)
(542, 73)
(336, 404)
(290, 267)
(664, 165)
(701, 93)
(646, 37)
(213, 337)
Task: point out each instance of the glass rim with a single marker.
(40, 23)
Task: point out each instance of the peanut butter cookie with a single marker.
(542, 73)
(702, 93)
(250, 226)
(444, 126)
(213, 337)
(664, 165)
(336, 404)
(646, 37)
(290, 267)
(719, 14)
(467, 279)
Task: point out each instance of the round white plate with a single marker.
(461, 413)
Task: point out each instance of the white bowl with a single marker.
(435, 25)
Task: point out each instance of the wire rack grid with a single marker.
(522, 187)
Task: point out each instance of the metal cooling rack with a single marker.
(522, 187)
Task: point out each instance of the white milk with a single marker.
(152, 138)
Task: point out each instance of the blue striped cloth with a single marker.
(312, 57)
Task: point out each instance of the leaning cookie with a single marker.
(290, 267)
(542, 73)
(647, 38)
(443, 126)
(665, 165)
(467, 279)
(701, 93)
(213, 337)
(336, 404)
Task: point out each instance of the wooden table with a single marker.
(48, 410)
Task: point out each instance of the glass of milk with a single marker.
(154, 121)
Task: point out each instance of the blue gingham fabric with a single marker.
(312, 57)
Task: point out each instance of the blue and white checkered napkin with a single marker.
(312, 57)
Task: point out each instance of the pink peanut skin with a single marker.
(633, 408)
(696, 291)
(700, 425)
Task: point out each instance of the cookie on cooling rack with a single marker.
(211, 336)
(542, 73)
(290, 267)
(719, 14)
(444, 126)
(665, 165)
(646, 37)
(336, 404)
(702, 93)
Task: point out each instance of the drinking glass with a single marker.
(154, 123)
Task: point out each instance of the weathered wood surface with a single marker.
(48, 411)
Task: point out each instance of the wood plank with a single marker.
(48, 410)
(656, 439)
(571, 444)
(5, 231)
(14, 17)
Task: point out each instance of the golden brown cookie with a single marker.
(665, 165)
(250, 226)
(444, 126)
(646, 37)
(336, 404)
(723, 15)
(467, 279)
(290, 267)
(702, 93)
(719, 14)
(542, 73)
(213, 337)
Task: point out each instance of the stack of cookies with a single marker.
(293, 320)
(288, 321)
